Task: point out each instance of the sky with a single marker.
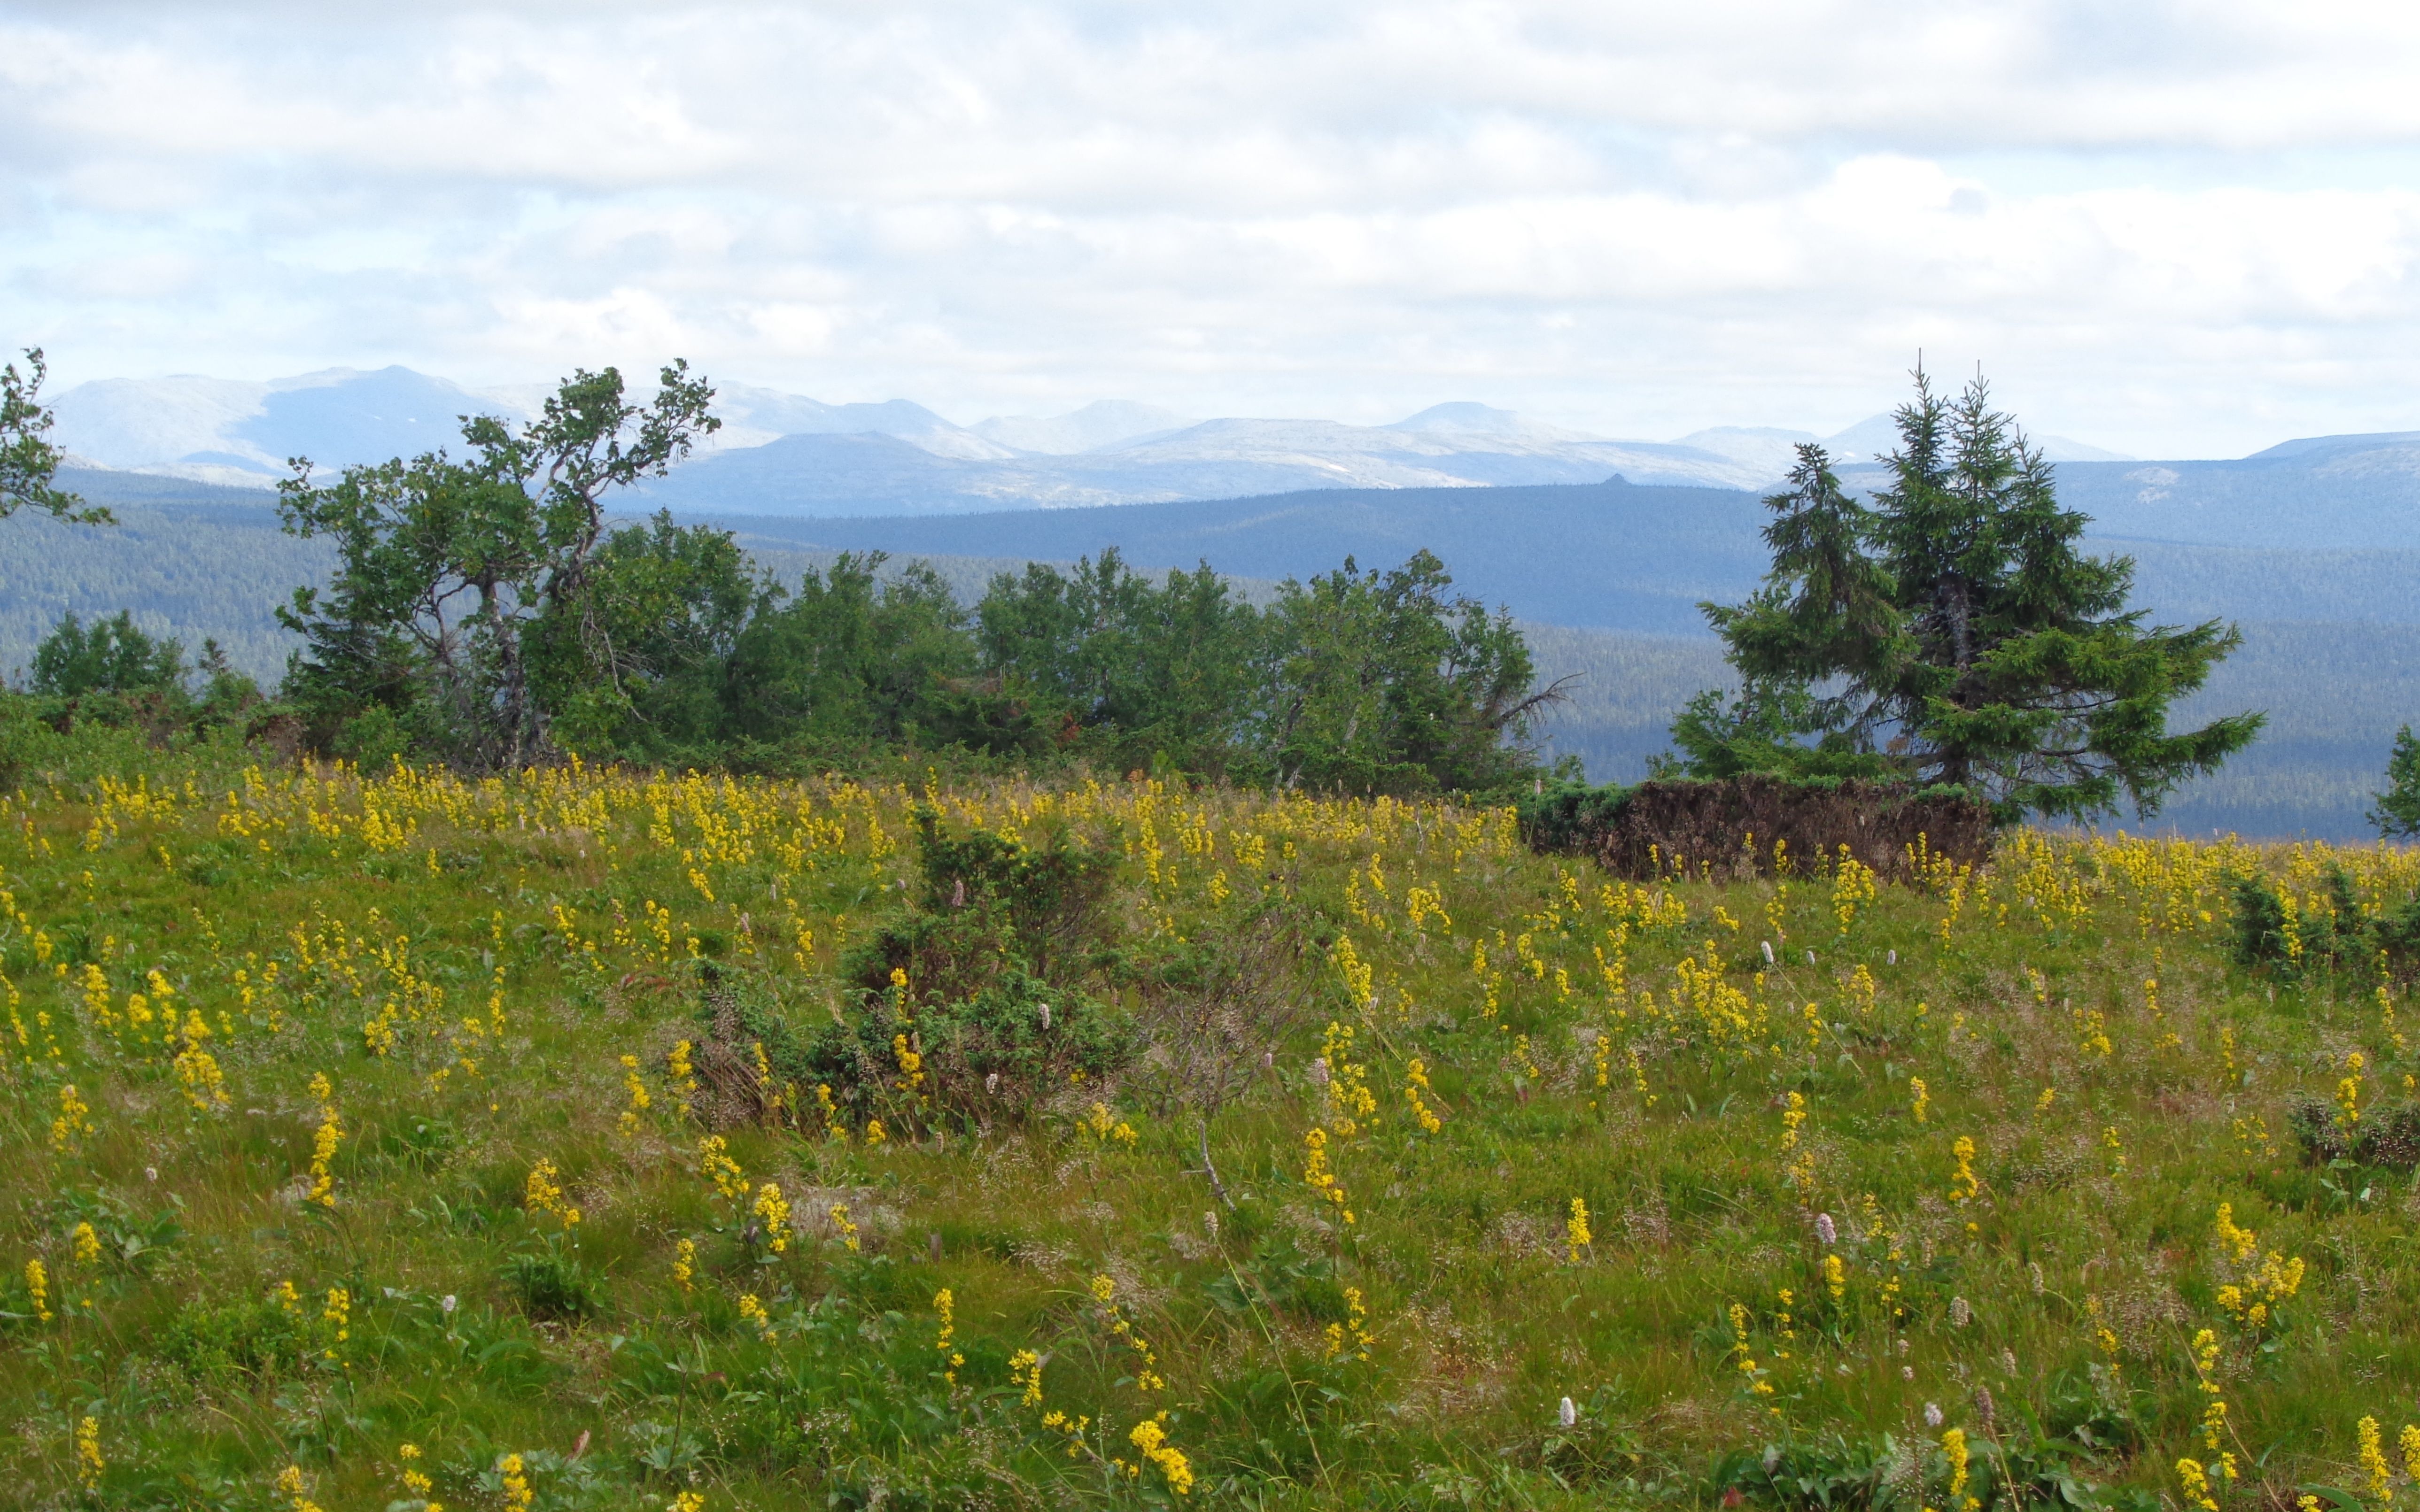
(2180, 229)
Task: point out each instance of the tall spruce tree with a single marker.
(1951, 632)
(2399, 808)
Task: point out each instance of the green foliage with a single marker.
(2258, 935)
(996, 974)
(630, 663)
(247, 1335)
(112, 676)
(1565, 816)
(111, 655)
(2398, 807)
(1154, 674)
(1384, 685)
(1763, 729)
(28, 460)
(856, 660)
(1952, 630)
(2336, 936)
(484, 606)
(550, 1283)
(476, 598)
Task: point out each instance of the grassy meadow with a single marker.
(563, 1141)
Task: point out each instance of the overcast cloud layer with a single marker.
(2180, 229)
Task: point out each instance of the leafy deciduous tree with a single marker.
(854, 659)
(1384, 685)
(1172, 671)
(449, 571)
(28, 460)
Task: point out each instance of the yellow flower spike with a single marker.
(2374, 1467)
(1150, 1437)
(772, 1211)
(754, 1311)
(291, 1485)
(543, 1193)
(73, 1122)
(723, 1173)
(1316, 1175)
(640, 1101)
(1964, 1184)
(518, 1494)
(1953, 1450)
(91, 1466)
(325, 1141)
(1025, 1370)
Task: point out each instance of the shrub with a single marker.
(250, 1337)
(2387, 1136)
(2334, 937)
(550, 1282)
(987, 978)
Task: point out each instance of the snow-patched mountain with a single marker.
(755, 417)
(1876, 437)
(229, 431)
(1102, 423)
(1452, 446)
(786, 454)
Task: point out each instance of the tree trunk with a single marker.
(520, 739)
(1209, 1168)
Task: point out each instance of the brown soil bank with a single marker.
(1739, 825)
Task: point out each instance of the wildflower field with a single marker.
(623, 1140)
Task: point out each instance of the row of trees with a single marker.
(485, 611)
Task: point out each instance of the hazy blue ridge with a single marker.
(1603, 555)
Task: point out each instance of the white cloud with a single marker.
(2173, 229)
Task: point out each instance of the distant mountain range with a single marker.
(782, 453)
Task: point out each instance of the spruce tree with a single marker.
(1951, 632)
(2399, 808)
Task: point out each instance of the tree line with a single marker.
(486, 611)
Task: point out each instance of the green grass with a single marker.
(478, 1324)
